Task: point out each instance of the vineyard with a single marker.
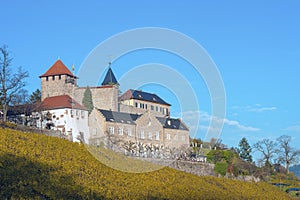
(35, 166)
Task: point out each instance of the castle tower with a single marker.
(58, 80)
(110, 78)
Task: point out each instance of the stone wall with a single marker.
(177, 138)
(197, 168)
(151, 127)
(104, 97)
(56, 87)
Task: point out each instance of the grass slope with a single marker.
(34, 166)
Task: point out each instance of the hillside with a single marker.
(42, 167)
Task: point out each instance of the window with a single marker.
(77, 112)
(160, 109)
(111, 130)
(82, 114)
(53, 78)
(120, 131)
(47, 78)
(129, 133)
(152, 107)
(176, 137)
(146, 106)
(183, 137)
(168, 136)
(142, 135)
(157, 108)
(136, 105)
(156, 135)
(167, 111)
(59, 77)
(150, 136)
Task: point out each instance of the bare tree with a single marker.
(20, 98)
(268, 148)
(10, 83)
(287, 154)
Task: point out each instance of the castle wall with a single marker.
(96, 127)
(104, 97)
(175, 138)
(149, 130)
(56, 86)
(71, 122)
(99, 130)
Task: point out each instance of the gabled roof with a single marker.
(171, 123)
(119, 117)
(63, 101)
(110, 78)
(58, 68)
(145, 96)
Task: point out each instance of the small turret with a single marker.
(110, 78)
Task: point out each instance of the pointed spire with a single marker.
(110, 78)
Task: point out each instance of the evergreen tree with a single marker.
(35, 97)
(87, 100)
(244, 150)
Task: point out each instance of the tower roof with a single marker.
(58, 68)
(110, 78)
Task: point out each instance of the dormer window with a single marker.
(154, 99)
(169, 122)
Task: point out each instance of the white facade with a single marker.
(71, 122)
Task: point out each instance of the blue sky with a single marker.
(255, 45)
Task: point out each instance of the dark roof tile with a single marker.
(145, 96)
(172, 123)
(119, 117)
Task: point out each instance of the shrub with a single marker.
(221, 168)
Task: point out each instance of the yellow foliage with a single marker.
(35, 166)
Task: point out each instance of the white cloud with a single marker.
(240, 126)
(261, 109)
(257, 108)
(295, 128)
(191, 116)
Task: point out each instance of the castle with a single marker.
(135, 116)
